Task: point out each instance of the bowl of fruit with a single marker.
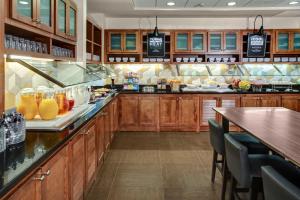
(244, 85)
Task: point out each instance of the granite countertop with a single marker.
(19, 160)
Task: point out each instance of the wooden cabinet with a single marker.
(224, 41)
(178, 113)
(148, 113)
(77, 167)
(291, 102)
(90, 153)
(38, 13)
(189, 41)
(260, 101)
(123, 41)
(250, 101)
(206, 110)
(287, 41)
(56, 182)
(128, 112)
(100, 124)
(115, 116)
(107, 128)
(66, 19)
(270, 101)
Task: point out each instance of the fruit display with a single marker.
(244, 85)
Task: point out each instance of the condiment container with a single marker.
(26, 103)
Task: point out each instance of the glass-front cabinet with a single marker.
(66, 19)
(227, 42)
(287, 41)
(121, 41)
(190, 41)
(38, 13)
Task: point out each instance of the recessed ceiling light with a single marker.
(294, 2)
(23, 2)
(171, 3)
(232, 3)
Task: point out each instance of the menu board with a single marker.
(256, 45)
(156, 45)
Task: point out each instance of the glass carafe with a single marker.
(62, 101)
(48, 107)
(26, 103)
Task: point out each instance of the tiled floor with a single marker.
(152, 166)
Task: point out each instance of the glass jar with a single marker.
(70, 98)
(48, 107)
(40, 91)
(26, 103)
(62, 101)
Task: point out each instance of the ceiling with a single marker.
(193, 8)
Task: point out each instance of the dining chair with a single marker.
(245, 168)
(281, 184)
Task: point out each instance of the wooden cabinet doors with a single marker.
(30, 190)
(287, 41)
(90, 153)
(168, 112)
(198, 41)
(260, 101)
(128, 112)
(215, 41)
(56, 183)
(291, 102)
(250, 101)
(38, 13)
(123, 41)
(188, 115)
(227, 41)
(107, 128)
(100, 137)
(131, 42)
(77, 167)
(66, 16)
(206, 111)
(148, 113)
(189, 41)
(270, 101)
(182, 41)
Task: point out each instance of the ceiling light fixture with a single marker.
(294, 2)
(232, 3)
(171, 3)
(23, 2)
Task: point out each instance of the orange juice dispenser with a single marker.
(27, 104)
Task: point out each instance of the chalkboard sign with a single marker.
(156, 45)
(256, 45)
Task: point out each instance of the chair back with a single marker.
(237, 161)
(216, 136)
(278, 187)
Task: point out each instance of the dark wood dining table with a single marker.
(276, 127)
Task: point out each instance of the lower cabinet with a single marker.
(291, 102)
(107, 128)
(128, 112)
(207, 104)
(168, 112)
(261, 101)
(100, 137)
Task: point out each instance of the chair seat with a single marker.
(254, 146)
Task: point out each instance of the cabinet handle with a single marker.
(47, 173)
(40, 178)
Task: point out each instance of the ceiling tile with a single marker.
(144, 3)
(206, 3)
(178, 3)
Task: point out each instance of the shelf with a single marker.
(124, 63)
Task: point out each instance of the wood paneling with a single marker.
(129, 112)
(148, 113)
(188, 116)
(168, 112)
(250, 101)
(100, 138)
(107, 129)
(270, 101)
(90, 153)
(291, 102)
(55, 185)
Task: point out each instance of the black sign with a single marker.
(156, 45)
(256, 45)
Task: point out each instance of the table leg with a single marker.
(225, 124)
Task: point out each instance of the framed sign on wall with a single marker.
(256, 46)
(156, 45)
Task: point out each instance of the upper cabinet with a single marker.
(224, 41)
(38, 13)
(189, 41)
(287, 41)
(123, 41)
(66, 17)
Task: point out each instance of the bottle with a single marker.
(62, 101)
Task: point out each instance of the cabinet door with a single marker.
(61, 18)
(72, 20)
(296, 41)
(30, 190)
(282, 41)
(100, 138)
(115, 41)
(182, 42)
(250, 101)
(215, 41)
(198, 42)
(131, 42)
(231, 42)
(206, 111)
(270, 101)
(111, 117)
(188, 113)
(116, 116)
(25, 11)
(107, 128)
(291, 102)
(91, 156)
(128, 113)
(56, 184)
(77, 167)
(45, 15)
(148, 113)
(168, 113)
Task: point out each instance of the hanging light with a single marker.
(155, 32)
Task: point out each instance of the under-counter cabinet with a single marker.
(148, 113)
(128, 114)
(37, 13)
(190, 41)
(260, 101)
(291, 102)
(287, 41)
(66, 16)
(224, 41)
(100, 137)
(123, 41)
